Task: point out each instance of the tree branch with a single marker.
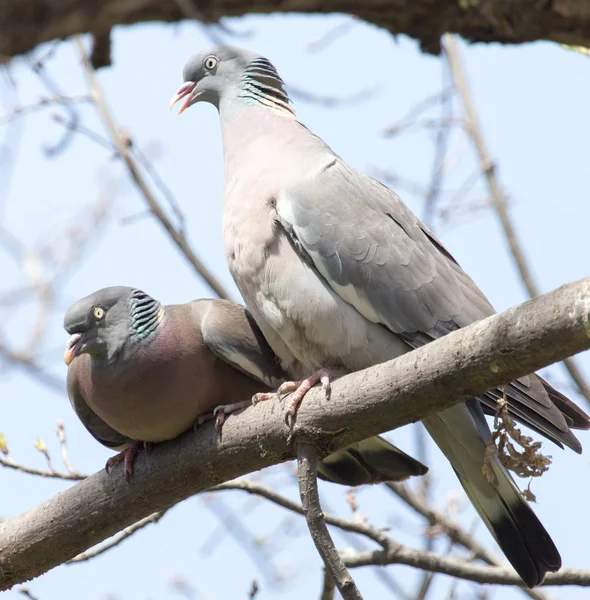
(307, 476)
(328, 587)
(455, 567)
(456, 534)
(123, 151)
(120, 537)
(24, 24)
(394, 553)
(434, 377)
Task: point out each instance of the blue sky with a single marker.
(533, 103)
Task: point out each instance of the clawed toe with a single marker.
(127, 457)
(221, 412)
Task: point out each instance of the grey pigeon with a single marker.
(340, 275)
(142, 372)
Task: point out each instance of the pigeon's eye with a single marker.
(210, 63)
(98, 313)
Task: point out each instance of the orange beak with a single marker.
(186, 90)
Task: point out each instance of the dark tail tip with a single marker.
(526, 544)
(371, 461)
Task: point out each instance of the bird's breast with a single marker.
(159, 395)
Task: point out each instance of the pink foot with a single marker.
(127, 457)
(220, 413)
(299, 389)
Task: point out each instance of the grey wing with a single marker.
(231, 333)
(99, 430)
(378, 256)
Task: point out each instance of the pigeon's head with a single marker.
(230, 72)
(103, 322)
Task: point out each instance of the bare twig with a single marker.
(412, 557)
(456, 534)
(438, 521)
(362, 95)
(497, 195)
(61, 436)
(411, 117)
(45, 266)
(425, 491)
(455, 567)
(395, 180)
(232, 523)
(350, 526)
(27, 363)
(117, 539)
(307, 457)
(441, 146)
(26, 592)
(7, 461)
(21, 111)
(332, 34)
(191, 11)
(123, 151)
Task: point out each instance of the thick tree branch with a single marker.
(24, 24)
(460, 365)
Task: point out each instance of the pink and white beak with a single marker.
(186, 90)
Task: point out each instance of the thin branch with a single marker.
(27, 593)
(7, 461)
(460, 365)
(394, 553)
(117, 539)
(124, 152)
(440, 153)
(332, 34)
(497, 195)
(456, 534)
(455, 567)
(191, 11)
(307, 476)
(232, 523)
(362, 95)
(411, 117)
(347, 525)
(439, 522)
(28, 364)
(21, 111)
(328, 587)
(61, 436)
